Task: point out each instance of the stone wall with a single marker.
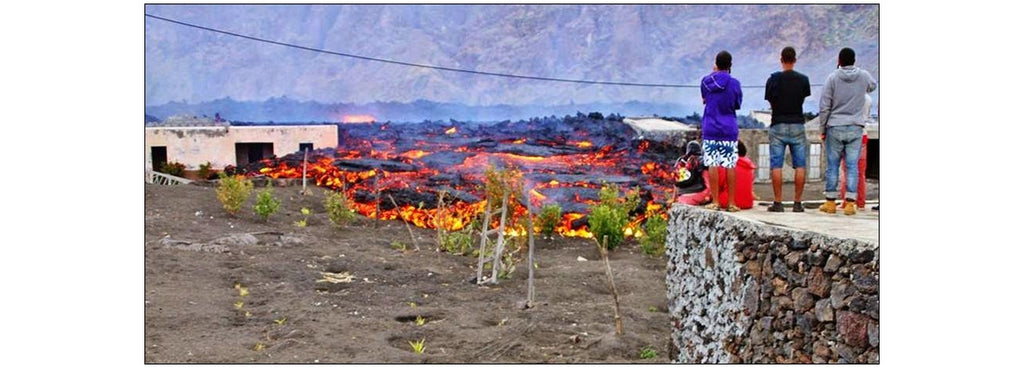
(741, 291)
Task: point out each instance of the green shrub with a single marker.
(233, 191)
(609, 195)
(611, 215)
(656, 229)
(550, 216)
(205, 170)
(607, 220)
(498, 182)
(338, 209)
(305, 216)
(266, 204)
(457, 242)
(172, 168)
(648, 352)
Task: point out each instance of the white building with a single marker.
(194, 142)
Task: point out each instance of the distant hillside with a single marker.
(284, 109)
(634, 43)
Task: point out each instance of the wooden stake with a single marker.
(483, 243)
(611, 283)
(500, 247)
(305, 158)
(529, 283)
(407, 227)
(376, 197)
(439, 217)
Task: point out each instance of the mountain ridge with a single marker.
(661, 44)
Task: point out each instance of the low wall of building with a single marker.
(740, 291)
(194, 146)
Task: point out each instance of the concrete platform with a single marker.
(862, 226)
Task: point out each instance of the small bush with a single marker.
(498, 182)
(338, 209)
(172, 168)
(611, 214)
(266, 204)
(457, 242)
(607, 220)
(205, 170)
(648, 352)
(550, 216)
(305, 216)
(609, 194)
(656, 229)
(233, 191)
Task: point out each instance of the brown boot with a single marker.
(828, 207)
(849, 208)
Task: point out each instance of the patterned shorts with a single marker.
(720, 153)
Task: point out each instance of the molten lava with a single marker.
(349, 119)
(411, 165)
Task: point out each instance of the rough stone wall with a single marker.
(744, 292)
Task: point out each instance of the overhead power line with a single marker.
(505, 75)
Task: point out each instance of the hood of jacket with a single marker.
(849, 73)
(717, 81)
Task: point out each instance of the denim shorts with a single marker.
(792, 135)
(720, 153)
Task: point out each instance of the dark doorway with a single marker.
(303, 147)
(872, 169)
(246, 153)
(159, 155)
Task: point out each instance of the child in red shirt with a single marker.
(745, 170)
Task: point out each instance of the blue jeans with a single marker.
(842, 141)
(792, 135)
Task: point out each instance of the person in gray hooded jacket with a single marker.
(841, 114)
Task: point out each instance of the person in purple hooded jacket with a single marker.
(722, 97)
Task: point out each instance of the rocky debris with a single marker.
(853, 328)
(803, 299)
(841, 292)
(745, 292)
(225, 243)
(823, 311)
(236, 240)
(190, 246)
(833, 263)
(873, 334)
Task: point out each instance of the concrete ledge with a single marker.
(744, 291)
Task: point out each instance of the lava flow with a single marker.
(562, 160)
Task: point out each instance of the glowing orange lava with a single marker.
(348, 119)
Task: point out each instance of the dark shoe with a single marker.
(875, 208)
(776, 207)
(798, 207)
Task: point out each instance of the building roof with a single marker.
(657, 124)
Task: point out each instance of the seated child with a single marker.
(745, 170)
(693, 177)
